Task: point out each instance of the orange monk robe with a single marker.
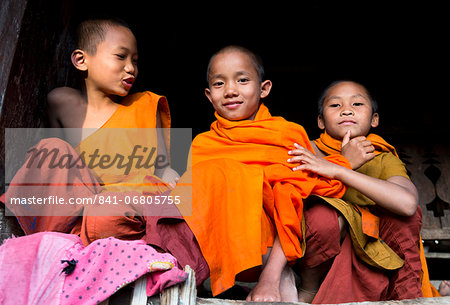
(136, 111)
(332, 146)
(131, 125)
(130, 131)
(243, 189)
(119, 135)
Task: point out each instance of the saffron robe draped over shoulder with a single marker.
(129, 132)
(405, 228)
(244, 190)
(136, 112)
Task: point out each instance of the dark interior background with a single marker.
(397, 51)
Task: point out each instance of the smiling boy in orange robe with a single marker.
(247, 203)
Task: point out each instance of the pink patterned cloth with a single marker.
(55, 268)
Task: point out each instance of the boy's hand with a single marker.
(357, 150)
(310, 162)
(170, 176)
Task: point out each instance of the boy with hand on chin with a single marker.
(378, 180)
(247, 203)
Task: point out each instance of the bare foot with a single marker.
(265, 291)
(444, 288)
(288, 291)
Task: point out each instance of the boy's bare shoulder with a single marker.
(63, 96)
(65, 106)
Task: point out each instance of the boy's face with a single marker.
(113, 68)
(347, 106)
(234, 86)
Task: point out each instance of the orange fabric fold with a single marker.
(331, 146)
(130, 131)
(370, 222)
(130, 127)
(240, 171)
(428, 290)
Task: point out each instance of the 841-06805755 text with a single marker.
(98, 199)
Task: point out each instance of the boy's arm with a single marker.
(167, 174)
(396, 194)
(53, 105)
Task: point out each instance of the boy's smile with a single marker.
(234, 86)
(232, 104)
(347, 106)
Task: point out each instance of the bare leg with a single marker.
(275, 274)
(311, 279)
(342, 227)
(288, 290)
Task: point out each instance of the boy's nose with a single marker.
(346, 112)
(130, 68)
(230, 90)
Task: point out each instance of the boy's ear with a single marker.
(208, 94)
(320, 122)
(375, 120)
(78, 58)
(266, 86)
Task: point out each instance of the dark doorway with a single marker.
(396, 51)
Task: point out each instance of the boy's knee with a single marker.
(407, 224)
(49, 150)
(52, 143)
(326, 216)
(322, 234)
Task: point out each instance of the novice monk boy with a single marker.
(378, 182)
(106, 57)
(247, 203)
(110, 125)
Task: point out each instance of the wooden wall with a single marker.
(33, 49)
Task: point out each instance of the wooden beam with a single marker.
(432, 234)
(11, 14)
(419, 301)
(139, 296)
(184, 293)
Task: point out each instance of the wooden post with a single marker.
(184, 293)
(139, 296)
